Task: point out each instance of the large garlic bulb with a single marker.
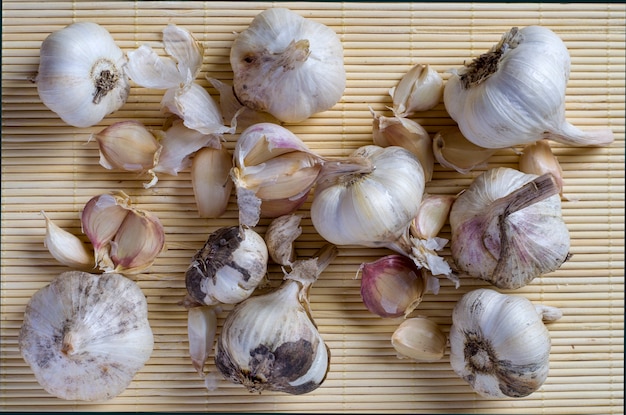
(287, 65)
(499, 343)
(85, 336)
(81, 76)
(515, 93)
(507, 228)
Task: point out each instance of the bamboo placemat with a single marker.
(48, 165)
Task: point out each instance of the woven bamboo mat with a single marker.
(48, 165)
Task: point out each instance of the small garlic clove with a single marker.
(453, 150)
(538, 158)
(67, 248)
(419, 339)
(432, 215)
(391, 286)
(211, 182)
(101, 218)
(420, 89)
(149, 70)
(280, 236)
(185, 50)
(201, 331)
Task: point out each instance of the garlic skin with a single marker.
(515, 93)
(228, 268)
(419, 339)
(85, 336)
(80, 75)
(67, 248)
(287, 65)
(499, 343)
(420, 89)
(507, 228)
(211, 182)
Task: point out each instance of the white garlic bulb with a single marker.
(229, 267)
(287, 65)
(515, 93)
(81, 76)
(85, 336)
(507, 228)
(499, 343)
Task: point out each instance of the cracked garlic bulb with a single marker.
(514, 94)
(499, 343)
(85, 336)
(81, 76)
(287, 65)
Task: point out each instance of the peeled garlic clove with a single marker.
(80, 75)
(419, 339)
(287, 65)
(280, 236)
(85, 336)
(67, 248)
(229, 267)
(102, 217)
(211, 182)
(453, 150)
(538, 158)
(138, 242)
(499, 344)
(431, 216)
(507, 228)
(391, 286)
(420, 89)
(201, 330)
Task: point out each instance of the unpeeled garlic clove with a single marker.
(67, 248)
(211, 182)
(128, 146)
(432, 215)
(453, 150)
(279, 237)
(420, 89)
(419, 339)
(102, 217)
(391, 286)
(201, 330)
(538, 158)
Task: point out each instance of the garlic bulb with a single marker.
(499, 343)
(515, 93)
(228, 268)
(507, 228)
(419, 339)
(287, 65)
(270, 341)
(80, 75)
(420, 89)
(85, 336)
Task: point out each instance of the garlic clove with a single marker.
(419, 339)
(137, 243)
(391, 286)
(279, 207)
(453, 150)
(201, 331)
(280, 236)
(420, 89)
(186, 51)
(149, 70)
(210, 178)
(102, 217)
(285, 176)
(66, 248)
(431, 216)
(538, 158)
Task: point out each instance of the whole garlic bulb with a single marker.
(515, 93)
(507, 228)
(287, 65)
(81, 76)
(499, 343)
(85, 336)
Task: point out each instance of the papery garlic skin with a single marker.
(507, 246)
(85, 336)
(287, 65)
(80, 75)
(230, 266)
(499, 344)
(515, 93)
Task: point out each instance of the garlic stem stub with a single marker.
(514, 94)
(80, 75)
(287, 65)
(85, 336)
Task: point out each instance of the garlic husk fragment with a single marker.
(420, 89)
(419, 339)
(67, 248)
(228, 268)
(391, 286)
(538, 158)
(280, 237)
(507, 228)
(80, 75)
(453, 150)
(402, 132)
(210, 179)
(287, 65)
(201, 331)
(514, 94)
(85, 336)
(271, 342)
(499, 343)
(431, 216)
